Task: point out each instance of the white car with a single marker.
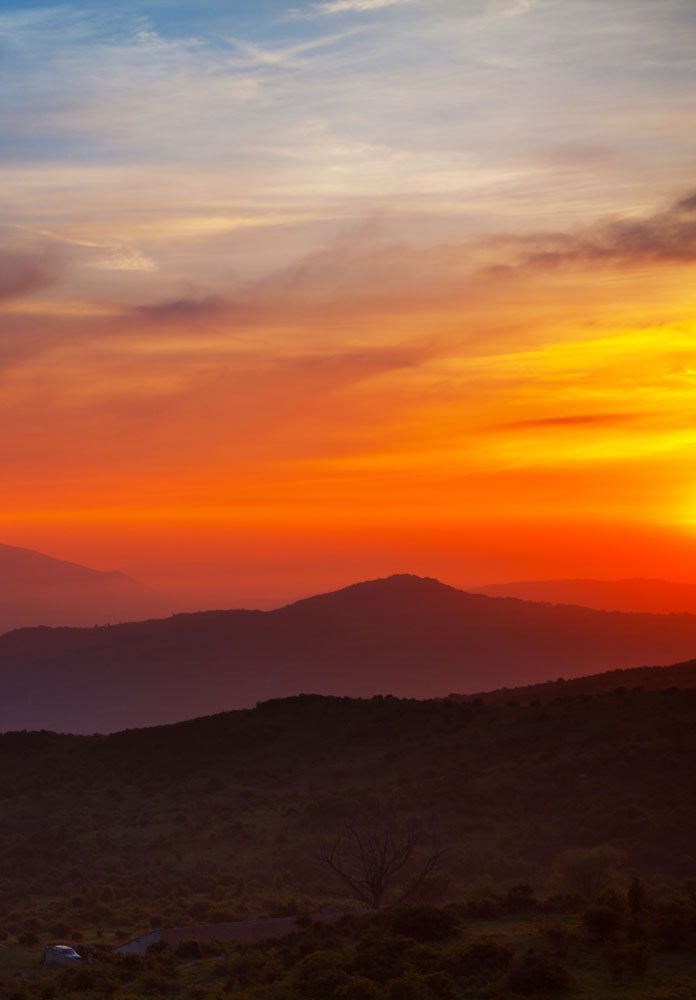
(61, 954)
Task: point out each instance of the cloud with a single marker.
(666, 237)
(686, 205)
(570, 420)
(22, 273)
(183, 309)
(510, 8)
(365, 272)
(353, 6)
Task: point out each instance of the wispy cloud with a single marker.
(579, 420)
(511, 8)
(23, 273)
(663, 237)
(357, 6)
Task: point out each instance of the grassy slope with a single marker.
(219, 817)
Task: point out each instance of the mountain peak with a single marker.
(38, 589)
(398, 586)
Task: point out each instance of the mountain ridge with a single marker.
(402, 635)
(38, 589)
(643, 595)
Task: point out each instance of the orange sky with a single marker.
(320, 317)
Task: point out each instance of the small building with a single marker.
(61, 954)
(234, 932)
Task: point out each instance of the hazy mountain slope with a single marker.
(36, 589)
(405, 636)
(649, 596)
(681, 676)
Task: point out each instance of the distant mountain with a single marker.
(405, 636)
(36, 589)
(649, 596)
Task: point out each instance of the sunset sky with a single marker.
(298, 293)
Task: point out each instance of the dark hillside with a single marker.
(219, 816)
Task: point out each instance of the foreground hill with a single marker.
(221, 817)
(36, 589)
(404, 636)
(645, 596)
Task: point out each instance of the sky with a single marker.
(298, 293)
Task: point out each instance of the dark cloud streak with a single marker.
(667, 237)
(22, 273)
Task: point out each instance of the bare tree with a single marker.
(380, 865)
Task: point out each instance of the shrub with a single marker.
(587, 871)
(483, 907)
(563, 903)
(622, 960)
(674, 931)
(537, 974)
(188, 949)
(442, 985)
(410, 986)
(380, 958)
(425, 923)
(558, 938)
(319, 975)
(81, 980)
(637, 897)
(520, 899)
(483, 959)
(602, 923)
(360, 988)
(155, 984)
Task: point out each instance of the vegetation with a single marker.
(563, 834)
(417, 953)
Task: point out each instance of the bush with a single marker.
(674, 931)
(360, 988)
(484, 959)
(520, 899)
(319, 975)
(602, 923)
(188, 949)
(622, 960)
(411, 986)
(425, 923)
(81, 979)
(155, 984)
(558, 938)
(538, 974)
(563, 903)
(483, 908)
(442, 985)
(587, 871)
(380, 958)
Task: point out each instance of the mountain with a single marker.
(678, 676)
(645, 596)
(404, 635)
(36, 589)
